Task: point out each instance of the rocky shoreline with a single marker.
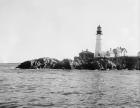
(85, 60)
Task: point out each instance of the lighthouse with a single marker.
(98, 42)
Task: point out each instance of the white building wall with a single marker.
(98, 46)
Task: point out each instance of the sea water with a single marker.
(46, 88)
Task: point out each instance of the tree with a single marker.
(119, 51)
(107, 54)
(115, 52)
(124, 51)
(138, 54)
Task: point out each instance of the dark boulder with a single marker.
(39, 63)
(25, 65)
(66, 64)
(50, 63)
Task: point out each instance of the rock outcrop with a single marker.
(50, 63)
(85, 60)
(127, 62)
(39, 63)
(98, 63)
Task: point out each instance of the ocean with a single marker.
(48, 88)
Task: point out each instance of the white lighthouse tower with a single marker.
(98, 42)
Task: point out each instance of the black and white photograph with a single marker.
(69, 53)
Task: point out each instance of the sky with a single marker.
(62, 28)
